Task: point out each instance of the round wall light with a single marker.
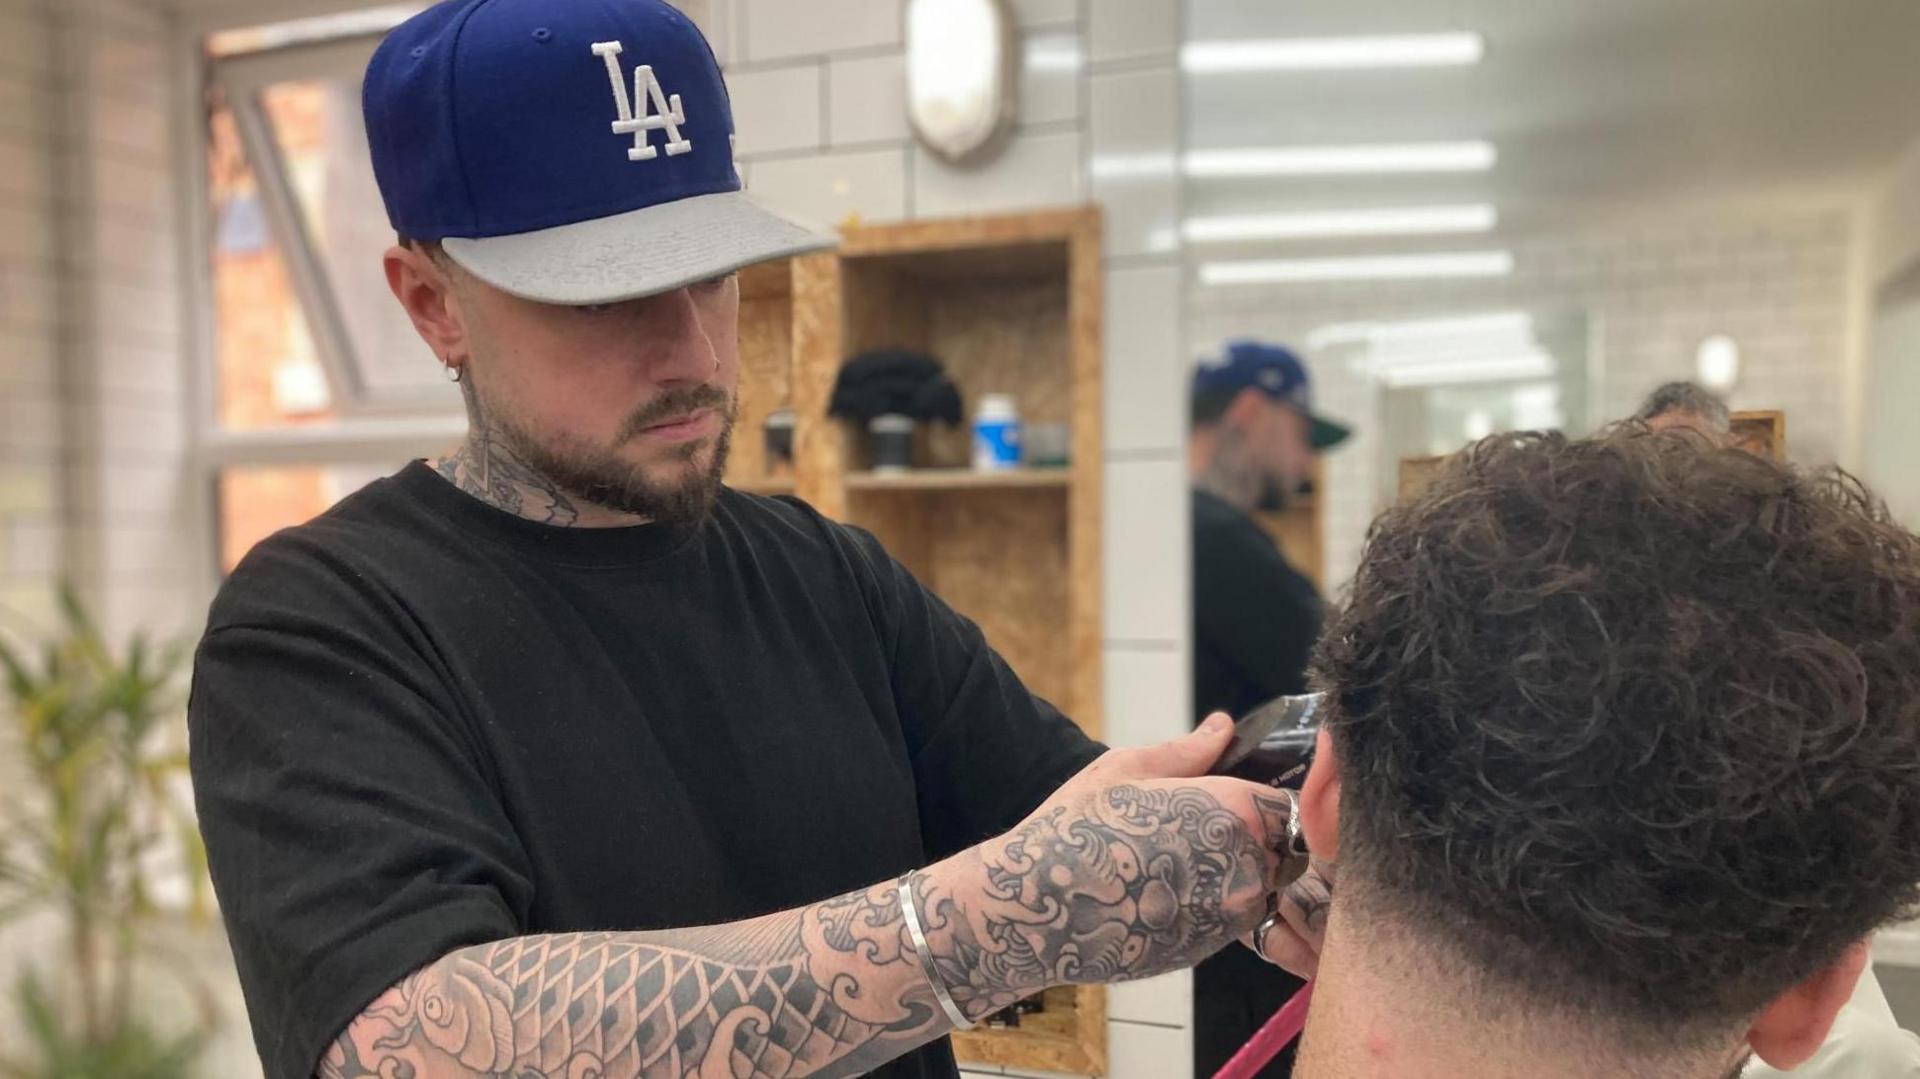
(1717, 364)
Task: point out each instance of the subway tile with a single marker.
(1132, 29)
(1050, 76)
(1146, 542)
(139, 428)
(1166, 1000)
(31, 547)
(26, 489)
(1031, 171)
(25, 234)
(867, 99)
(781, 28)
(1149, 1052)
(827, 188)
(24, 44)
(777, 109)
(1148, 694)
(1046, 12)
(1130, 115)
(1146, 370)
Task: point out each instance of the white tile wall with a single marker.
(1146, 596)
(1135, 114)
(867, 99)
(1051, 76)
(1146, 359)
(825, 188)
(781, 28)
(1132, 29)
(1148, 692)
(1046, 12)
(1152, 1000)
(777, 109)
(1137, 1051)
(1032, 171)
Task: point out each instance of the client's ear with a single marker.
(1320, 801)
(1796, 1024)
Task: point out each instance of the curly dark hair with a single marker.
(1632, 723)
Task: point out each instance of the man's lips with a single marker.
(683, 428)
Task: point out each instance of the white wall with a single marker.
(818, 89)
(1890, 441)
(31, 466)
(1778, 286)
(1895, 219)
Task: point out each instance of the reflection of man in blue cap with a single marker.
(1255, 616)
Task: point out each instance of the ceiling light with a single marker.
(1406, 221)
(1489, 369)
(1342, 160)
(1380, 268)
(1509, 323)
(1258, 161)
(1718, 363)
(1330, 53)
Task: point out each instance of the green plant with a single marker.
(100, 813)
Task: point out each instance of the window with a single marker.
(316, 382)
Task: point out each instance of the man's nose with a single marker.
(675, 344)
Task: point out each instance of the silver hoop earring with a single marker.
(455, 374)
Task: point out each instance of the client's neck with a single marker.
(1387, 1009)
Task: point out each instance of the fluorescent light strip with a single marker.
(1333, 53)
(1400, 221)
(1491, 369)
(1342, 160)
(1492, 322)
(1382, 268)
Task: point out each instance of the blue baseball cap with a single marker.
(578, 152)
(1273, 370)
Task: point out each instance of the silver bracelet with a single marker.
(912, 918)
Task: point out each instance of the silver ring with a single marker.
(1260, 935)
(1296, 842)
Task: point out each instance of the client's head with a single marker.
(1623, 763)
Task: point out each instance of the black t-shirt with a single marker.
(419, 724)
(1255, 617)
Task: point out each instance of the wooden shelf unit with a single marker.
(1009, 304)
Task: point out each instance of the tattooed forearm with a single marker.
(776, 996)
(1130, 882)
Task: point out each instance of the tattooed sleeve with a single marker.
(1145, 880)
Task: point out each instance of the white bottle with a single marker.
(996, 434)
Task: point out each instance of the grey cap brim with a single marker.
(642, 253)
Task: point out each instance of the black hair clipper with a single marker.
(1274, 743)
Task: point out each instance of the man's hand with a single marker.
(1140, 865)
(1294, 942)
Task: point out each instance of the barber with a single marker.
(1251, 449)
(475, 751)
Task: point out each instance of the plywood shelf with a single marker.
(959, 479)
(778, 485)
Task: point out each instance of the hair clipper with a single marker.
(1274, 743)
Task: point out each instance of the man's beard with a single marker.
(598, 475)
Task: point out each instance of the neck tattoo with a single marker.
(1230, 475)
(490, 471)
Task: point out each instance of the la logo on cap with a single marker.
(658, 112)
